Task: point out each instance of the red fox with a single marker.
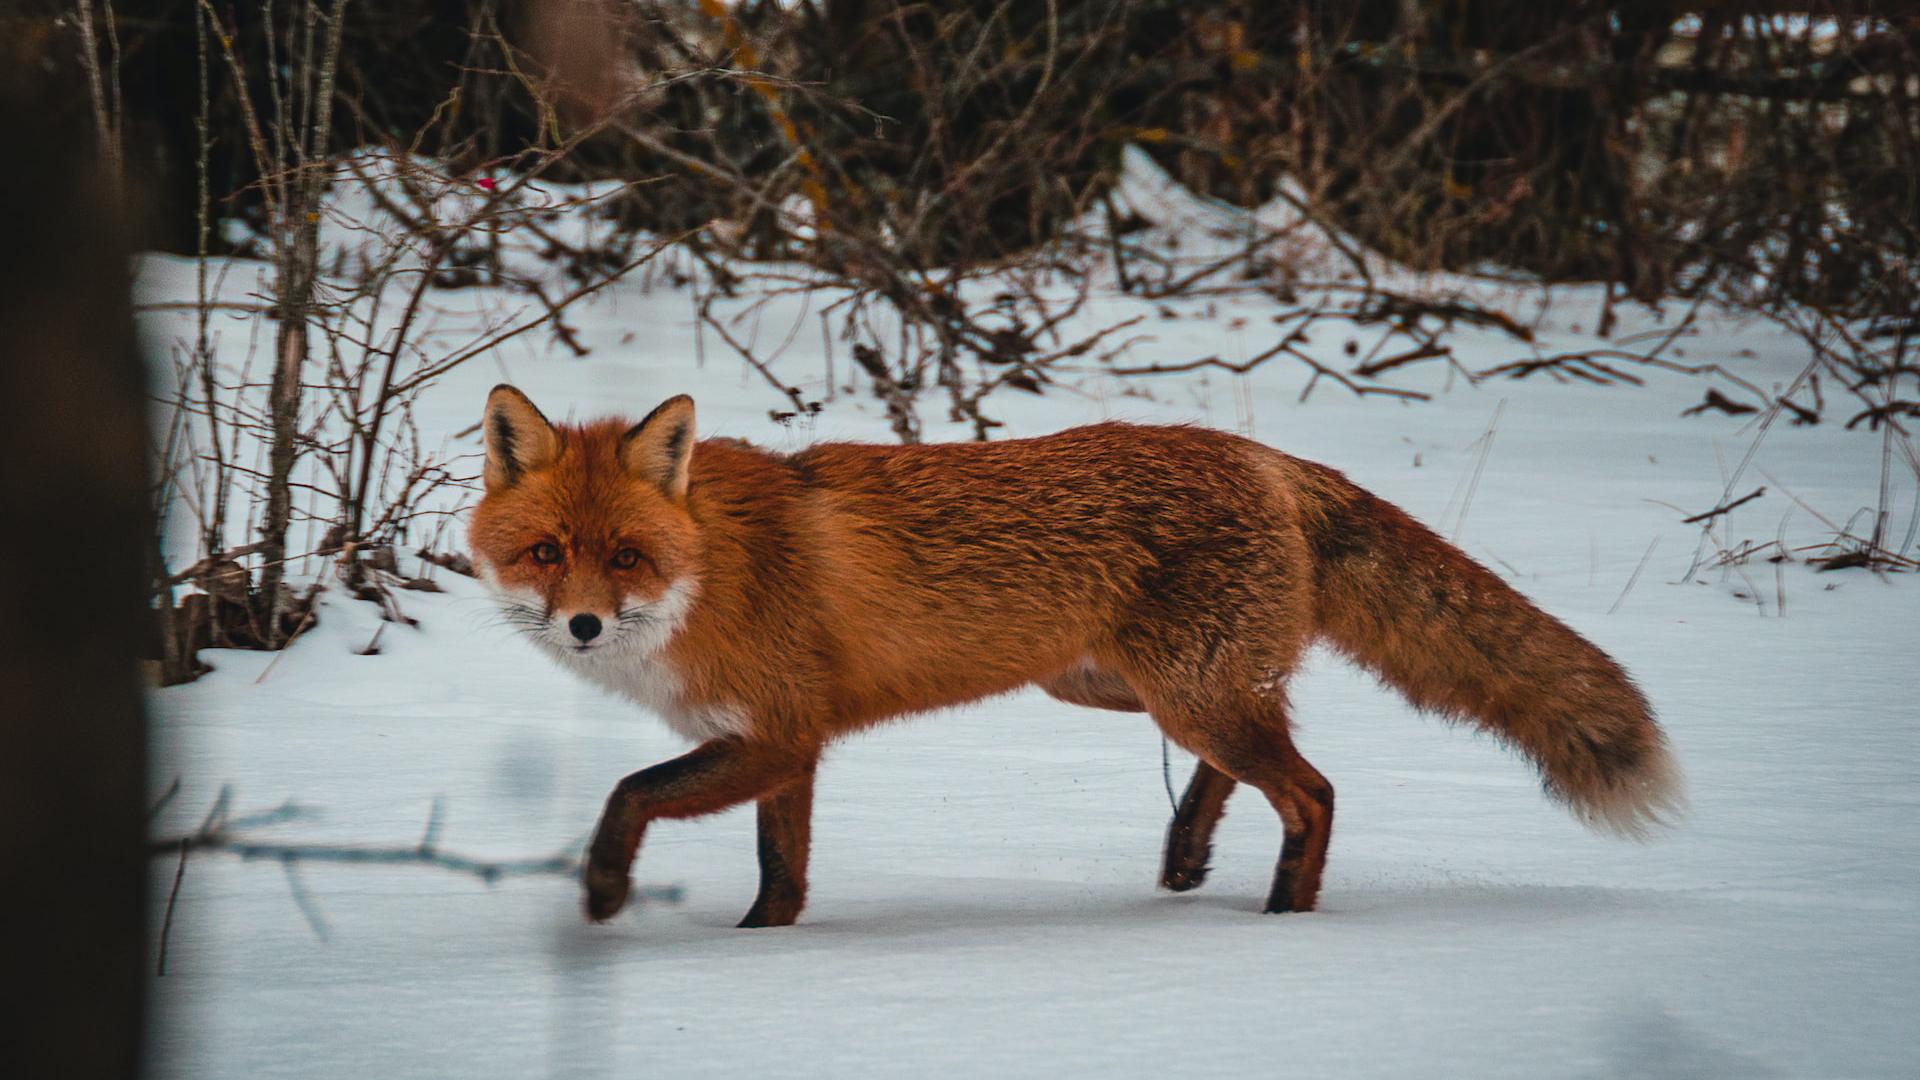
(764, 605)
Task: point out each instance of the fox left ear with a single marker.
(660, 448)
(519, 439)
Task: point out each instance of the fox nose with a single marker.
(585, 627)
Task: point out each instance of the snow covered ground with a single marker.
(983, 900)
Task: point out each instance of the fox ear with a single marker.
(518, 437)
(660, 448)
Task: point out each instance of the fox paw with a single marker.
(772, 911)
(1184, 867)
(1183, 878)
(606, 892)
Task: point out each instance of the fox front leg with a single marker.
(712, 777)
(785, 835)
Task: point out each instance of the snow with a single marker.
(982, 897)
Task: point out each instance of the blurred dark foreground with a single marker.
(73, 446)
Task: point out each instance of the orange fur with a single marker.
(774, 603)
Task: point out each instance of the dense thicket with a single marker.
(1769, 148)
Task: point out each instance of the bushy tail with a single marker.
(1456, 640)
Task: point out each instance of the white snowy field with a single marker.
(983, 898)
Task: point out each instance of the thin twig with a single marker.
(303, 898)
(306, 620)
(1166, 775)
(173, 901)
(165, 798)
(1725, 508)
(1635, 576)
(1479, 466)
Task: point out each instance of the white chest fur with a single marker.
(651, 683)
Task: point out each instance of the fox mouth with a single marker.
(606, 642)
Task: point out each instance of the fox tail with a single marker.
(1458, 641)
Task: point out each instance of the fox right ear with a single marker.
(660, 448)
(518, 437)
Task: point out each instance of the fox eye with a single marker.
(546, 553)
(626, 559)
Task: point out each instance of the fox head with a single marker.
(583, 531)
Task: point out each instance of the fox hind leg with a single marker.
(1190, 835)
(1248, 742)
(1309, 827)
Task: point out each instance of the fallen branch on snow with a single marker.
(230, 835)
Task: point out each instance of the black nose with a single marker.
(584, 627)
